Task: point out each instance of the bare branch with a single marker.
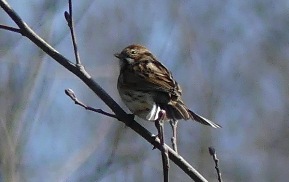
(17, 30)
(165, 158)
(71, 94)
(216, 160)
(174, 125)
(70, 23)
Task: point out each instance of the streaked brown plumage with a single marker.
(146, 87)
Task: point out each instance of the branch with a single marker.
(71, 94)
(70, 23)
(26, 31)
(159, 123)
(174, 125)
(216, 160)
(17, 30)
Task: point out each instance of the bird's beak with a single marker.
(118, 55)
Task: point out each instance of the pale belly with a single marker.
(139, 103)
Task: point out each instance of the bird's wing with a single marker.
(151, 76)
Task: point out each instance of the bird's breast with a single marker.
(139, 103)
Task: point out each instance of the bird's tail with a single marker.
(203, 120)
(178, 110)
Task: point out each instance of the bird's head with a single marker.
(133, 54)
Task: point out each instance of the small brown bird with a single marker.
(146, 87)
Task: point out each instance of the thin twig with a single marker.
(71, 94)
(70, 23)
(12, 29)
(165, 157)
(174, 125)
(216, 160)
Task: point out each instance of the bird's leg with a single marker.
(159, 123)
(165, 155)
(174, 124)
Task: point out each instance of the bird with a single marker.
(147, 87)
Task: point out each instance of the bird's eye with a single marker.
(133, 52)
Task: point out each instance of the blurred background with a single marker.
(230, 57)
